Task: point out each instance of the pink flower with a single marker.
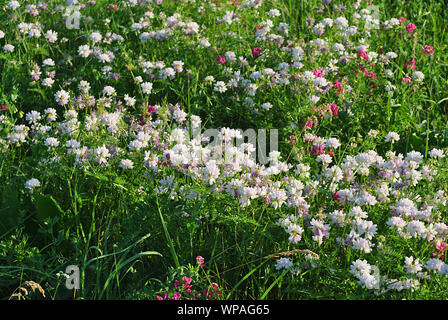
(407, 80)
(363, 54)
(200, 261)
(334, 109)
(257, 28)
(164, 297)
(441, 246)
(412, 65)
(401, 20)
(151, 109)
(428, 49)
(186, 279)
(309, 123)
(410, 27)
(338, 86)
(318, 73)
(256, 52)
(336, 197)
(291, 140)
(221, 59)
(176, 296)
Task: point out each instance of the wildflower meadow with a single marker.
(216, 150)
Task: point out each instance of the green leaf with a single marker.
(47, 207)
(416, 142)
(9, 211)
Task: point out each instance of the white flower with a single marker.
(13, 5)
(51, 114)
(362, 244)
(48, 62)
(108, 90)
(357, 213)
(51, 142)
(8, 48)
(178, 66)
(62, 97)
(434, 264)
(359, 268)
(392, 136)
(418, 76)
(31, 184)
(412, 266)
(341, 23)
(220, 87)
(95, 37)
(266, 106)
(51, 36)
(333, 143)
(72, 144)
(324, 158)
(283, 263)
(32, 116)
(47, 82)
(416, 228)
(146, 87)
(130, 101)
(396, 222)
(370, 281)
(209, 79)
(273, 13)
(204, 43)
(230, 56)
(84, 51)
(444, 270)
(102, 154)
(126, 164)
(436, 153)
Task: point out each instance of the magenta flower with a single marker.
(309, 124)
(256, 52)
(363, 54)
(221, 59)
(186, 279)
(410, 27)
(200, 261)
(412, 65)
(407, 80)
(338, 87)
(441, 246)
(151, 109)
(334, 109)
(428, 49)
(319, 73)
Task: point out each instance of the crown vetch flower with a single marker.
(256, 52)
(410, 27)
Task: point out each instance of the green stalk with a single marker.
(167, 235)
